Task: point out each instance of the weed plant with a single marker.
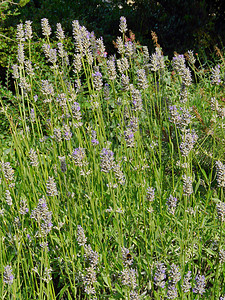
(114, 185)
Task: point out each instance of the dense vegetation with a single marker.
(180, 25)
(112, 169)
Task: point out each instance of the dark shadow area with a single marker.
(180, 25)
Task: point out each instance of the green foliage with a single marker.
(23, 2)
(7, 34)
(179, 25)
(113, 203)
(62, 132)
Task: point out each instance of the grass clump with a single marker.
(113, 186)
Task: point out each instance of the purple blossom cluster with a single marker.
(130, 49)
(220, 168)
(186, 286)
(171, 204)
(94, 140)
(220, 207)
(92, 259)
(46, 29)
(123, 25)
(188, 141)
(216, 76)
(200, 284)
(156, 60)
(78, 156)
(180, 116)
(160, 275)
(97, 80)
(122, 65)
(8, 276)
(43, 216)
(136, 100)
(8, 171)
(187, 185)
(129, 274)
(107, 160)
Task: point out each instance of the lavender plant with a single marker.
(101, 149)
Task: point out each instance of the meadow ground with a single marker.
(112, 184)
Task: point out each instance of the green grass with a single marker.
(125, 157)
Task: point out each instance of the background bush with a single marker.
(180, 25)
